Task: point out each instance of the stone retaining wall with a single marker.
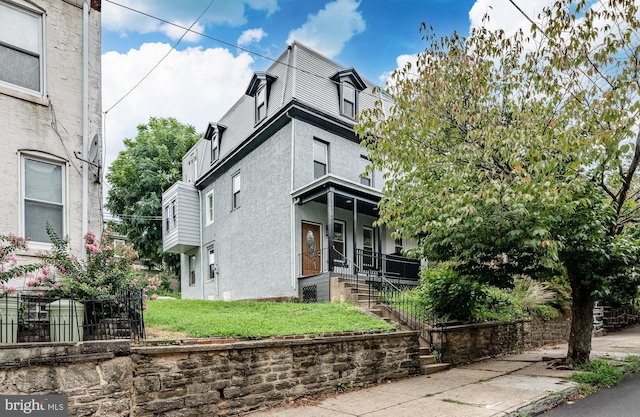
(468, 343)
(111, 378)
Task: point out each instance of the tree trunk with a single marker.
(581, 321)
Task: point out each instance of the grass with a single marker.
(245, 319)
(598, 373)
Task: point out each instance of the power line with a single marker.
(162, 59)
(232, 45)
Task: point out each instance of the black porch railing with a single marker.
(31, 316)
(390, 266)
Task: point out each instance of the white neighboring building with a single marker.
(50, 120)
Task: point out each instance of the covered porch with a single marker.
(335, 235)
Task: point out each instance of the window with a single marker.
(365, 177)
(320, 158)
(339, 241)
(174, 214)
(215, 147)
(348, 102)
(236, 191)
(192, 270)
(259, 89)
(21, 47)
(209, 208)
(261, 104)
(398, 246)
(368, 246)
(44, 198)
(212, 263)
(167, 217)
(349, 84)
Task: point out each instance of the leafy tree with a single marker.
(518, 153)
(150, 164)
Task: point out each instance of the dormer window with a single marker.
(261, 104)
(213, 134)
(349, 85)
(348, 101)
(259, 88)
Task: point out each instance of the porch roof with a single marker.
(346, 192)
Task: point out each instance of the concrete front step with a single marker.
(433, 368)
(427, 359)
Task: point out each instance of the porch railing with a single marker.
(396, 266)
(32, 316)
(392, 291)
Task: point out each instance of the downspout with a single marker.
(85, 121)
(294, 282)
(202, 271)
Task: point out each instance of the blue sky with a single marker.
(202, 78)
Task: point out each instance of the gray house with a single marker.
(273, 200)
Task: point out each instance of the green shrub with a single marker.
(448, 294)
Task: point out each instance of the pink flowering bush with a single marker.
(105, 274)
(9, 267)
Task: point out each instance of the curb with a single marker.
(545, 404)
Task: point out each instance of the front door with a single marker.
(311, 259)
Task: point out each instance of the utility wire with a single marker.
(187, 30)
(232, 45)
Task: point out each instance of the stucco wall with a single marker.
(26, 121)
(253, 242)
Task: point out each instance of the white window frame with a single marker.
(325, 146)
(174, 214)
(215, 146)
(261, 103)
(193, 268)
(365, 177)
(235, 191)
(213, 267)
(209, 207)
(336, 222)
(48, 159)
(16, 90)
(167, 218)
(344, 87)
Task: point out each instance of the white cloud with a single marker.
(329, 29)
(401, 61)
(126, 20)
(250, 36)
(504, 15)
(194, 85)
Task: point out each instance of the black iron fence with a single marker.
(32, 316)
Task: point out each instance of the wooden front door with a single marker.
(311, 259)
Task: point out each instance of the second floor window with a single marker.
(21, 47)
(235, 203)
(365, 177)
(209, 201)
(320, 158)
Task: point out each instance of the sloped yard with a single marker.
(245, 319)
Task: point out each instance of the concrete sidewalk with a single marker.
(509, 386)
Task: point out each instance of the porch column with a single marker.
(330, 223)
(355, 235)
(378, 231)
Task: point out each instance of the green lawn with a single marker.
(198, 318)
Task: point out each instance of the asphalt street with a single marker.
(623, 400)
